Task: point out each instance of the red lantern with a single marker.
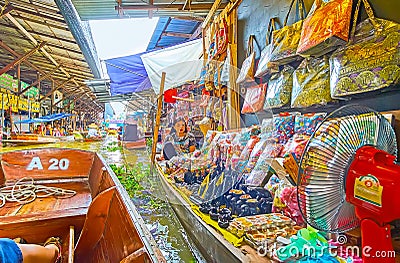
(170, 95)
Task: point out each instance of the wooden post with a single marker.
(19, 89)
(11, 118)
(158, 117)
(2, 114)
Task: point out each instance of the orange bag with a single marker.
(326, 27)
(254, 99)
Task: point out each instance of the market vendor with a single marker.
(181, 140)
(93, 131)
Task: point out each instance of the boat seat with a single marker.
(95, 222)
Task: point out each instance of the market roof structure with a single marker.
(113, 9)
(35, 35)
(171, 31)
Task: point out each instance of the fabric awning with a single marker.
(47, 118)
(181, 63)
(127, 75)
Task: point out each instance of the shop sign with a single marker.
(35, 106)
(32, 92)
(7, 82)
(23, 104)
(13, 102)
(57, 96)
(16, 103)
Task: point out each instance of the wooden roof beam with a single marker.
(187, 3)
(43, 8)
(43, 15)
(15, 54)
(197, 19)
(70, 41)
(34, 41)
(39, 79)
(49, 44)
(7, 10)
(179, 7)
(173, 34)
(210, 15)
(64, 28)
(21, 58)
(54, 89)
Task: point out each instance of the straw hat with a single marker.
(92, 126)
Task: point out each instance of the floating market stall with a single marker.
(239, 191)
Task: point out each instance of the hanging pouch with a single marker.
(286, 40)
(265, 66)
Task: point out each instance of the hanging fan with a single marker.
(347, 176)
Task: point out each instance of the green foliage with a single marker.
(112, 147)
(130, 177)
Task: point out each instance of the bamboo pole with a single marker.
(158, 117)
(2, 114)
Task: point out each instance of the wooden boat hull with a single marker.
(213, 247)
(27, 142)
(92, 139)
(139, 144)
(100, 218)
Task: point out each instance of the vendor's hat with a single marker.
(92, 126)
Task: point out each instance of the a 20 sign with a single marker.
(54, 164)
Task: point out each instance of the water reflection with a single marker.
(157, 214)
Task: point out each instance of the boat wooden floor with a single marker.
(48, 216)
(80, 201)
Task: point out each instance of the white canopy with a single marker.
(181, 63)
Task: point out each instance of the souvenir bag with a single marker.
(254, 99)
(279, 88)
(265, 66)
(371, 59)
(307, 124)
(205, 97)
(311, 83)
(326, 27)
(284, 126)
(222, 37)
(286, 39)
(225, 72)
(217, 74)
(247, 70)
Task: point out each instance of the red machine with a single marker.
(373, 187)
(348, 177)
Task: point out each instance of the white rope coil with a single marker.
(25, 191)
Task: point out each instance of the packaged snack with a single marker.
(295, 145)
(308, 123)
(255, 155)
(284, 126)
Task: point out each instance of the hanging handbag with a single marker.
(265, 66)
(311, 83)
(222, 37)
(247, 70)
(225, 72)
(279, 88)
(254, 99)
(371, 59)
(286, 40)
(326, 27)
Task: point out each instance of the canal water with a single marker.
(154, 209)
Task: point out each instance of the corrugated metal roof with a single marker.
(172, 31)
(112, 9)
(30, 22)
